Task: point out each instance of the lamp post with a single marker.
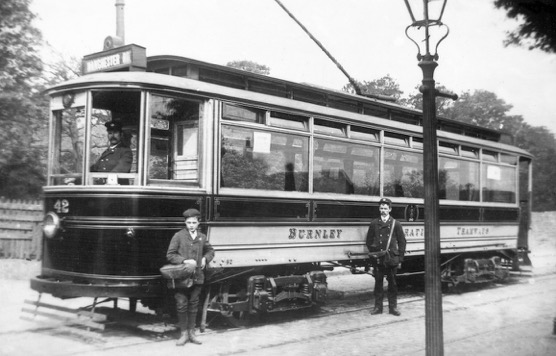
(427, 28)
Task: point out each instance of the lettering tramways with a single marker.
(287, 177)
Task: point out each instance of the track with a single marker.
(345, 316)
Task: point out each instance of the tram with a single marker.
(287, 177)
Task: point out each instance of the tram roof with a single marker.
(183, 67)
(376, 105)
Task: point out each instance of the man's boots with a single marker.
(192, 337)
(377, 309)
(184, 338)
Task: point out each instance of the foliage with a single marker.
(415, 100)
(542, 144)
(249, 66)
(19, 40)
(483, 108)
(537, 28)
(383, 86)
(22, 138)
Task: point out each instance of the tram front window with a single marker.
(113, 137)
(68, 142)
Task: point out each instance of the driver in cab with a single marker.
(117, 157)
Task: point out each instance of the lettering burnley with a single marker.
(108, 62)
(310, 234)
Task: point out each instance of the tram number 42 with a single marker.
(61, 206)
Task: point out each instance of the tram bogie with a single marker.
(260, 294)
(475, 270)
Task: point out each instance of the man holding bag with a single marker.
(386, 244)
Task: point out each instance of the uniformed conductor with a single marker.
(117, 157)
(377, 239)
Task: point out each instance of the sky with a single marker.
(366, 36)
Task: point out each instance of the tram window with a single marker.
(508, 159)
(499, 184)
(417, 143)
(375, 111)
(253, 159)
(364, 134)
(122, 108)
(289, 121)
(396, 139)
(448, 148)
(490, 156)
(162, 70)
(69, 138)
(345, 168)
(469, 152)
(242, 113)
(403, 174)
(174, 124)
(407, 118)
(458, 179)
(330, 128)
(179, 71)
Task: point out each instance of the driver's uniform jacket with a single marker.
(378, 234)
(114, 159)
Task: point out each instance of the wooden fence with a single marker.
(20, 229)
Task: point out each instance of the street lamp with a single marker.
(428, 30)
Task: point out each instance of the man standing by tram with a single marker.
(117, 157)
(386, 241)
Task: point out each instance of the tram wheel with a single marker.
(232, 293)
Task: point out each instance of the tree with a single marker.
(22, 171)
(542, 144)
(415, 100)
(249, 66)
(386, 86)
(485, 109)
(537, 28)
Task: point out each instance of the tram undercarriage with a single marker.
(270, 290)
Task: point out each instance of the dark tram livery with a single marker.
(287, 177)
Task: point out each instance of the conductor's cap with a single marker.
(385, 201)
(113, 126)
(191, 213)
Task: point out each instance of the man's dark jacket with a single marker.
(117, 159)
(378, 234)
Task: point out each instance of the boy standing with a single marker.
(189, 246)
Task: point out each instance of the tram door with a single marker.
(185, 151)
